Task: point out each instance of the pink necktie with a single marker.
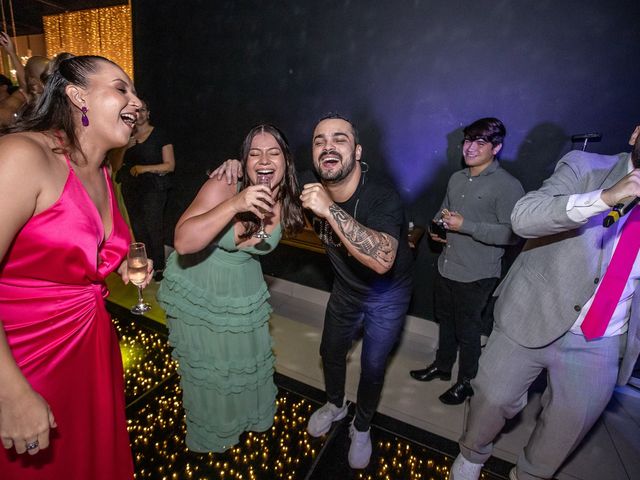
(615, 278)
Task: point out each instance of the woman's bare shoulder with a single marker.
(219, 188)
(31, 144)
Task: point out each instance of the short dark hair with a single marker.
(490, 129)
(338, 116)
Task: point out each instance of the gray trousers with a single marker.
(581, 377)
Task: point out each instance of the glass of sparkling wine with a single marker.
(263, 180)
(137, 268)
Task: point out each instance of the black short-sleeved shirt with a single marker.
(376, 205)
(148, 152)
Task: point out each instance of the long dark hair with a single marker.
(53, 110)
(291, 219)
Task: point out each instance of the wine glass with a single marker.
(137, 269)
(263, 180)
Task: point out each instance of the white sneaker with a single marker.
(463, 469)
(321, 420)
(360, 449)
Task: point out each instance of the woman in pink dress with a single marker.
(61, 388)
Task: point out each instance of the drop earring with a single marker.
(85, 119)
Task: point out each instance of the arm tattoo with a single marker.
(379, 246)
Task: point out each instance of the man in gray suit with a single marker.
(542, 304)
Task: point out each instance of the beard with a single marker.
(338, 174)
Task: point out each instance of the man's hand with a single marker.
(437, 238)
(231, 169)
(315, 198)
(625, 190)
(452, 220)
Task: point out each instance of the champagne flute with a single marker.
(137, 268)
(263, 180)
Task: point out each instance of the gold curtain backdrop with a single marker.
(100, 31)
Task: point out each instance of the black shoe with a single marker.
(457, 394)
(429, 373)
(158, 275)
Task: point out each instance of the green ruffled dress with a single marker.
(218, 319)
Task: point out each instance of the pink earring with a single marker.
(85, 119)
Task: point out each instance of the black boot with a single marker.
(458, 393)
(429, 373)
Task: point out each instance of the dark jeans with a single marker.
(381, 320)
(146, 213)
(458, 310)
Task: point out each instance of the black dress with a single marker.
(145, 196)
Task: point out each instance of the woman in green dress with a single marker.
(215, 295)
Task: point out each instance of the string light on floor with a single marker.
(146, 358)
(285, 451)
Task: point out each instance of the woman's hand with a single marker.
(6, 43)
(137, 170)
(123, 271)
(256, 199)
(25, 422)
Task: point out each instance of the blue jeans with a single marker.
(380, 320)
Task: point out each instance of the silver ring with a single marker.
(33, 445)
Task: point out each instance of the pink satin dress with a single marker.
(52, 310)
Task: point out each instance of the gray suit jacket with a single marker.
(562, 262)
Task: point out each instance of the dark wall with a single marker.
(409, 73)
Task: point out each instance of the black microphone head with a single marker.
(613, 216)
(608, 221)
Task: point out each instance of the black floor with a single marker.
(286, 451)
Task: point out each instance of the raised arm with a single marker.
(216, 204)
(375, 250)
(7, 44)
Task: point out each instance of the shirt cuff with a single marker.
(582, 206)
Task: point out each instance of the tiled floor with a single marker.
(611, 451)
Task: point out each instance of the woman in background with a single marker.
(215, 295)
(145, 179)
(61, 382)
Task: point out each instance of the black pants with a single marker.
(381, 320)
(146, 213)
(458, 310)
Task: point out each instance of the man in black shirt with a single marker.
(361, 223)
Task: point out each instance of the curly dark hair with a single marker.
(292, 219)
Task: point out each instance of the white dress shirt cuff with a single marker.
(583, 206)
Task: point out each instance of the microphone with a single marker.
(619, 210)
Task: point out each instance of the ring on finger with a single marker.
(33, 445)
